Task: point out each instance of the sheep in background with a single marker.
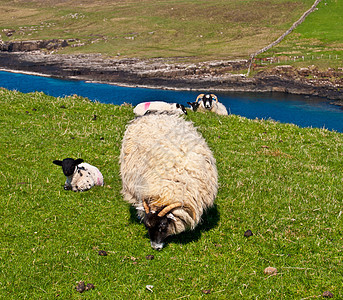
(143, 107)
(208, 102)
(80, 176)
(168, 174)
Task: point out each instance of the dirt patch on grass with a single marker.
(15, 13)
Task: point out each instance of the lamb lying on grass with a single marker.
(156, 106)
(80, 176)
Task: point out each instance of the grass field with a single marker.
(318, 40)
(197, 30)
(278, 180)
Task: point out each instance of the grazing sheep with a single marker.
(153, 106)
(208, 102)
(168, 173)
(80, 176)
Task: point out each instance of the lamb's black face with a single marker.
(194, 105)
(157, 229)
(207, 100)
(68, 165)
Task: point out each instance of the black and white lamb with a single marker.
(168, 174)
(158, 106)
(208, 102)
(80, 176)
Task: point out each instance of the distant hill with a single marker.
(198, 30)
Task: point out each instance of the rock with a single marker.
(8, 32)
(90, 286)
(248, 233)
(270, 271)
(32, 45)
(102, 253)
(327, 294)
(81, 287)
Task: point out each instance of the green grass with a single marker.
(318, 39)
(189, 29)
(198, 30)
(281, 181)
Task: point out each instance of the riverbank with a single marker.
(224, 76)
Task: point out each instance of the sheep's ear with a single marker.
(78, 161)
(57, 162)
(183, 109)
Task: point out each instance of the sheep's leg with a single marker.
(67, 185)
(83, 183)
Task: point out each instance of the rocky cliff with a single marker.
(162, 73)
(32, 45)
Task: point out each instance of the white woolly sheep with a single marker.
(154, 106)
(80, 176)
(168, 174)
(208, 102)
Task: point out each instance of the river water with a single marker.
(300, 110)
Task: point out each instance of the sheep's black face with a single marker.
(194, 105)
(68, 165)
(157, 229)
(207, 100)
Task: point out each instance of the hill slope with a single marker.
(201, 30)
(278, 180)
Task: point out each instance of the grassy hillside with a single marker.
(278, 180)
(318, 40)
(198, 30)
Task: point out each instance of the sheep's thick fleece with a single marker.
(217, 107)
(164, 160)
(84, 178)
(143, 107)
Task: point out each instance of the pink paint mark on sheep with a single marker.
(100, 178)
(146, 105)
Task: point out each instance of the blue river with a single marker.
(300, 110)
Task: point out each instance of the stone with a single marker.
(270, 271)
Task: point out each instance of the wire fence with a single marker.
(296, 58)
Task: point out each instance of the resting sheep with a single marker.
(208, 102)
(168, 174)
(80, 176)
(155, 106)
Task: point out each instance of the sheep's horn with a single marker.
(146, 207)
(168, 208)
(215, 97)
(200, 96)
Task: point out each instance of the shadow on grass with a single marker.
(209, 220)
